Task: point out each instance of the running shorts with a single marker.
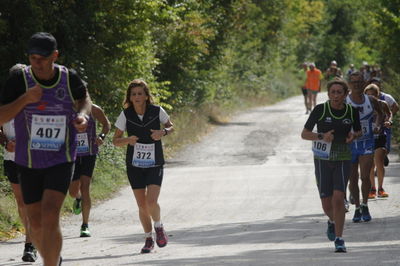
(84, 165)
(363, 147)
(35, 181)
(10, 171)
(331, 175)
(380, 142)
(312, 91)
(142, 177)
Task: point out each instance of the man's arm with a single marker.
(9, 111)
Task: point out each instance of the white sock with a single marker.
(363, 204)
(158, 224)
(338, 238)
(330, 221)
(149, 234)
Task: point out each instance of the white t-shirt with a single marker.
(389, 99)
(9, 131)
(121, 121)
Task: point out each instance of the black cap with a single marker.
(42, 43)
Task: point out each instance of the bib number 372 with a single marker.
(143, 155)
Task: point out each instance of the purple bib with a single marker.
(86, 142)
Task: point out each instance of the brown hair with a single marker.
(338, 81)
(133, 84)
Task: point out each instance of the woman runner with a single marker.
(332, 154)
(144, 158)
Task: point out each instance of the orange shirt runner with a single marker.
(313, 79)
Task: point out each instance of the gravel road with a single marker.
(244, 195)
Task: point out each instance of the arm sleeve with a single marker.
(13, 88)
(164, 117)
(356, 117)
(78, 86)
(313, 118)
(121, 121)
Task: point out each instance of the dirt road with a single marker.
(244, 195)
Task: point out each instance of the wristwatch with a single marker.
(320, 136)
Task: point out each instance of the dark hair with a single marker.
(338, 81)
(133, 84)
(358, 74)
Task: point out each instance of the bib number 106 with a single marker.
(320, 146)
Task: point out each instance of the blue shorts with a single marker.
(361, 147)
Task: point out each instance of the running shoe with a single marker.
(76, 206)
(339, 245)
(386, 161)
(85, 231)
(346, 205)
(148, 245)
(161, 237)
(382, 193)
(365, 216)
(357, 215)
(330, 232)
(30, 253)
(372, 193)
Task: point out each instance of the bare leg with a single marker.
(353, 185)
(21, 210)
(86, 200)
(365, 168)
(334, 208)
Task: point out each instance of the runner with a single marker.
(333, 72)
(42, 97)
(304, 85)
(380, 144)
(7, 136)
(87, 150)
(332, 154)
(313, 83)
(144, 158)
(363, 147)
(394, 108)
(349, 71)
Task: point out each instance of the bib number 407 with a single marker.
(48, 132)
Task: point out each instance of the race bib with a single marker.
(143, 155)
(366, 129)
(48, 132)
(321, 149)
(82, 142)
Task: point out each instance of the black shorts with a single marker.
(35, 181)
(380, 142)
(142, 177)
(331, 175)
(304, 91)
(10, 171)
(84, 165)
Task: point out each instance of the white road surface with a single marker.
(244, 195)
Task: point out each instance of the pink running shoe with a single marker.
(161, 237)
(148, 245)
